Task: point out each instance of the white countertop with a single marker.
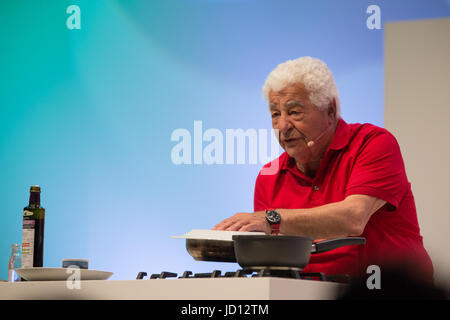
(269, 288)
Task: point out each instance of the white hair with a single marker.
(312, 73)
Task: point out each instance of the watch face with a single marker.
(273, 216)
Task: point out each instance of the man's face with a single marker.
(297, 120)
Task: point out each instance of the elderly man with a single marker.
(334, 180)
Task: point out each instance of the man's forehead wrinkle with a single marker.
(285, 96)
(294, 102)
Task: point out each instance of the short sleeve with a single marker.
(260, 198)
(378, 170)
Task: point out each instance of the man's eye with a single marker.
(293, 113)
(275, 114)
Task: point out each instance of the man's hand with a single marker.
(243, 221)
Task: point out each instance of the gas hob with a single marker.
(288, 273)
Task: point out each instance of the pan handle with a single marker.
(327, 245)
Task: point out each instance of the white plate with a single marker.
(60, 274)
(213, 234)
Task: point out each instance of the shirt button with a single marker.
(316, 188)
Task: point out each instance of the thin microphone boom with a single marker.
(311, 143)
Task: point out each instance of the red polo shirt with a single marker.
(361, 159)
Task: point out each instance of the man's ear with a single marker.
(332, 110)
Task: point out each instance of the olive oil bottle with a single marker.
(33, 231)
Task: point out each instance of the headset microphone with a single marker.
(311, 143)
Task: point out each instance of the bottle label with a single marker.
(27, 213)
(28, 243)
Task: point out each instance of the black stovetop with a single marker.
(290, 273)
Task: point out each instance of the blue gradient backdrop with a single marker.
(88, 114)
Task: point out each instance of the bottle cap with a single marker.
(35, 189)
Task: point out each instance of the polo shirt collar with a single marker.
(340, 140)
(341, 136)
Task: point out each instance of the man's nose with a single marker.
(284, 125)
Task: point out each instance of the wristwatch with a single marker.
(274, 219)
